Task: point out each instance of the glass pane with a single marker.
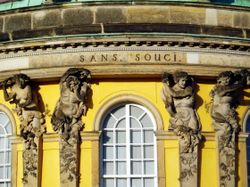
(149, 167)
(121, 124)
(107, 137)
(108, 168)
(136, 182)
(119, 112)
(134, 123)
(1, 157)
(121, 183)
(108, 182)
(3, 118)
(8, 144)
(8, 128)
(2, 145)
(120, 137)
(135, 136)
(108, 152)
(149, 151)
(148, 182)
(2, 130)
(8, 157)
(109, 122)
(8, 172)
(136, 111)
(121, 168)
(136, 152)
(148, 136)
(136, 167)
(121, 152)
(146, 121)
(1, 172)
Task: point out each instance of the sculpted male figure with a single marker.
(224, 101)
(71, 106)
(224, 120)
(178, 97)
(66, 120)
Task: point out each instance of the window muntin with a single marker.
(5, 150)
(128, 151)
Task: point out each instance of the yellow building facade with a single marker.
(126, 47)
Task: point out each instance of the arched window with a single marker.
(247, 129)
(128, 148)
(5, 150)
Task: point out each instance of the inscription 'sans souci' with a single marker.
(133, 57)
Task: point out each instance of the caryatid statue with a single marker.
(18, 89)
(179, 97)
(66, 120)
(224, 120)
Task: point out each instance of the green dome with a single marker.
(16, 4)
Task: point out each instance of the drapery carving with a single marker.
(178, 96)
(66, 120)
(225, 95)
(18, 89)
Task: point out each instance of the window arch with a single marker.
(5, 150)
(128, 147)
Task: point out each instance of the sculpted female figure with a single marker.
(178, 97)
(18, 89)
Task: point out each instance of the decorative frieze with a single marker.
(66, 121)
(18, 89)
(225, 95)
(178, 96)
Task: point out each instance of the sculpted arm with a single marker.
(7, 96)
(168, 100)
(188, 91)
(223, 90)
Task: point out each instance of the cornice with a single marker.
(181, 44)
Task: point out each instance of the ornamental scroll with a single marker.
(178, 96)
(224, 120)
(19, 90)
(66, 121)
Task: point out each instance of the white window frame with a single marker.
(127, 145)
(6, 182)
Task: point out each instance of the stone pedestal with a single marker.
(189, 167)
(69, 164)
(32, 163)
(226, 159)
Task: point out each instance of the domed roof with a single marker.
(16, 4)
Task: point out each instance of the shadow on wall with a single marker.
(223, 1)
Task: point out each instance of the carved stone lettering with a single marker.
(19, 90)
(178, 96)
(66, 120)
(224, 120)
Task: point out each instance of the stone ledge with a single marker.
(24, 34)
(133, 19)
(121, 71)
(80, 29)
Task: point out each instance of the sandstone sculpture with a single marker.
(66, 120)
(18, 89)
(178, 96)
